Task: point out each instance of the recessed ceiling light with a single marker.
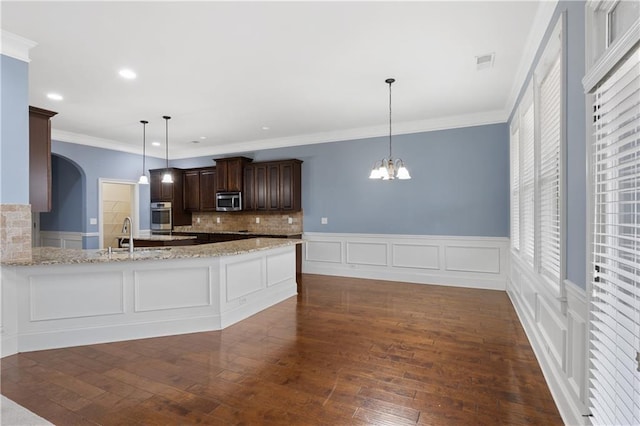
(127, 73)
(265, 127)
(155, 143)
(203, 137)
(54, 96)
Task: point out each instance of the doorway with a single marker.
(118, 199)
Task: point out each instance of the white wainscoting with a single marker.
(475, 262)
(556, 326)
(70, 240)
(54, 306)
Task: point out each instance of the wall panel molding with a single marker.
(475, 262)
(557, 330)
(61, 239)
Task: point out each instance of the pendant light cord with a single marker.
(166, 121)
(144, 144)
(390, 81)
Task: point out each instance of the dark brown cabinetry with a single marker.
(248, 196)
(230, 173)
(170, 192)
(191, 190)
(208, 179)
(276, 186)
(40, 159)
(199, 189)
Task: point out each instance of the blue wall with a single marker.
(14, 133)
(459, 185)
(99, 163)
(68, 208)
(575, 189)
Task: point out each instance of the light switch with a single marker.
(290, 221)
(324, 221)
(93, 221)
(257, 220)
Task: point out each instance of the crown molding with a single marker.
(16, 46)
(435, 124)
(430, 125)
(541, 23)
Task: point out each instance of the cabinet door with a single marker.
(248, 194)
(260, 195)
(155, 184)
(286, 186)
(222, 168)
(208, 190)
(235, 175)
(40, 159)
(273, 187)
(191, 190)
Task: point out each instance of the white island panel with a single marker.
(278, 268)
(161, 289)
(95, 297)
(72, 296)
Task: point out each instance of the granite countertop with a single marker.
(160, 237)
(59, 256)
(269, 233)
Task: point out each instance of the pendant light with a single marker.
(388, 168)
(167, 177)
(144, 180)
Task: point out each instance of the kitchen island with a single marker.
(68, 297)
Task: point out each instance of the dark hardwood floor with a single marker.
(345, 351)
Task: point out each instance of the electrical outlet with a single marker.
(290, 221)
(257, 220)
(218, 219)
(197, 220)
(324, 220)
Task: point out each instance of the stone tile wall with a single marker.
(270, 223)
(15, 232)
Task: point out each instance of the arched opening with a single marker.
(64, 225)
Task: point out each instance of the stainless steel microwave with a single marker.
(228, 201)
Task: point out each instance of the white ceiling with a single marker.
(310, 71)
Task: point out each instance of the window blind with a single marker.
(615, 302)
(515, 189)
(549, 173)
(527, 184)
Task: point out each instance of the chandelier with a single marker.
(388, 168)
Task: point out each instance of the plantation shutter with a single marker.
(515, 189)
(527, 185)
(615, 302)
(549, 173)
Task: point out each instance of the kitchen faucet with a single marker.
(127, 228)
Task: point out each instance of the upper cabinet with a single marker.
(276, 186)
(40, 159)
(200, 189)
(230, 173)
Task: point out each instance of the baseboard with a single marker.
(113, 333)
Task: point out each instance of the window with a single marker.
(536, 173)
(615, 301)
(527, 184)
(515, 188)
(549, 173)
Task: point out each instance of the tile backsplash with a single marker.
(15, 232)
(270, 222)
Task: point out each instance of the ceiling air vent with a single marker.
(484, 61)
